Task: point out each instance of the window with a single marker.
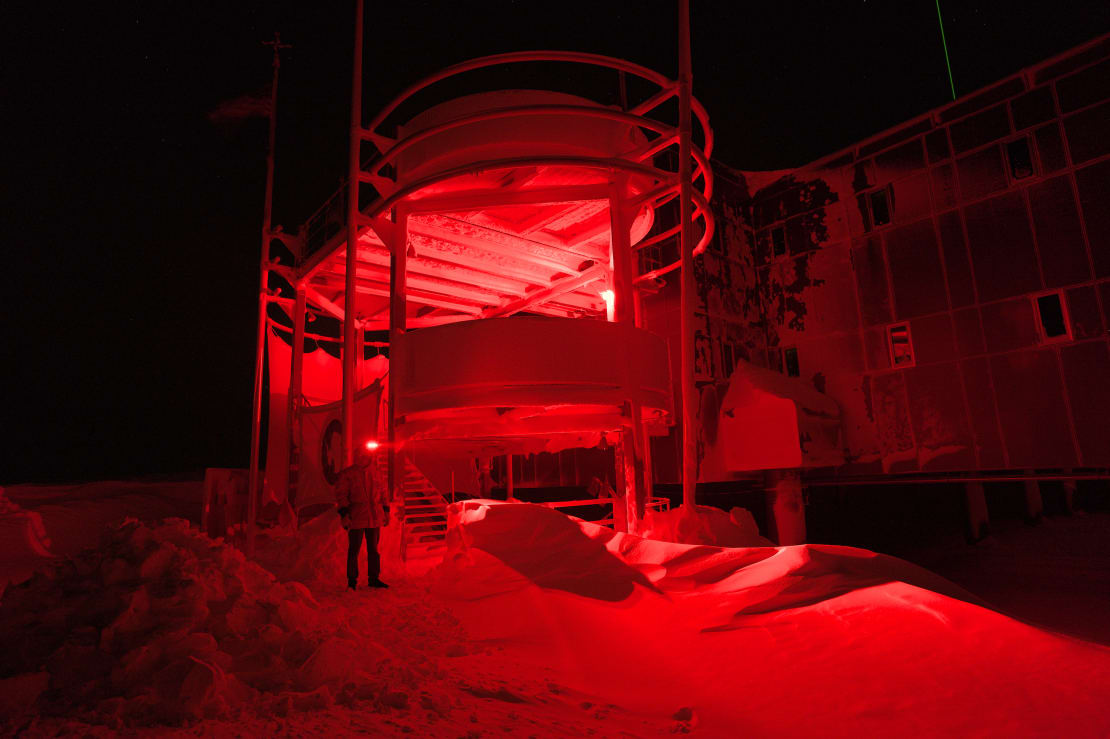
(880, 202)
(876, 207)
(1020, 158)
(901, 345)
(778, 242)
(790, 361)
(728, 358)
(1053, 323)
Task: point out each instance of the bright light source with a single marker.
(372, 445)
(609, 297)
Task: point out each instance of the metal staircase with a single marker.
(424, 528)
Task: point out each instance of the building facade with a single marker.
(946, 282)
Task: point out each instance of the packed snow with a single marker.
(533, 624)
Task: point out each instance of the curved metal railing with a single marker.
(642, 160)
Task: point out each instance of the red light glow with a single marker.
(610, 301)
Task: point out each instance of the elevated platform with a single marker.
(529, 376)
(503, 200)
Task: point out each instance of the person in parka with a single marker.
(363, 510)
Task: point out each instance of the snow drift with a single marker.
(709, 525)
(534, 624)
(801, 640)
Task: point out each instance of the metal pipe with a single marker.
(350, 295)
(689, 437)
(260, 337)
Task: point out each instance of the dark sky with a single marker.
(130, 221)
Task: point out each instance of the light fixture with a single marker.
(610, 301)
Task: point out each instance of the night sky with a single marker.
(130, 221)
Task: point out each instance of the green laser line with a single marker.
(944, 44)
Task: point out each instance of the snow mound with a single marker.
(316, 553)
(161, 625)
(544, 547)
(809, 640)
(708, 525)
(26, 544)
(39, 523)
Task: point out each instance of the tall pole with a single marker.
(349, 295)
(632, 438)
(253, 491)
(689, 437)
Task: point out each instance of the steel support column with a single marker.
(978, 515)
(786, 506)
(350, 295)
(398, 264)
(686, 245)
(620, 251)
(296, 382)
(1034, 505)
(1069, 488)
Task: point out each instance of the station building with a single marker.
(929, 305)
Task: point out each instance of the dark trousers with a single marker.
(373, 561)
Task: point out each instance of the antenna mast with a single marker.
(253, 491)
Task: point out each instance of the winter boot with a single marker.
(376, 583)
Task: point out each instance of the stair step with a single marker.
(426, 517)
(420, 550)
(425, 525)
(442, 510)
(430, 544)
(423, 551)
(416, 545)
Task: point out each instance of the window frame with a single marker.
(1042, 335)
(1034, 163)
(728, 357)
(909, 342)
(780, 228)
(797, 360)
(867, 195)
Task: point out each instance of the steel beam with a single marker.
(557, 289)
(686, 247)
(349, 296)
